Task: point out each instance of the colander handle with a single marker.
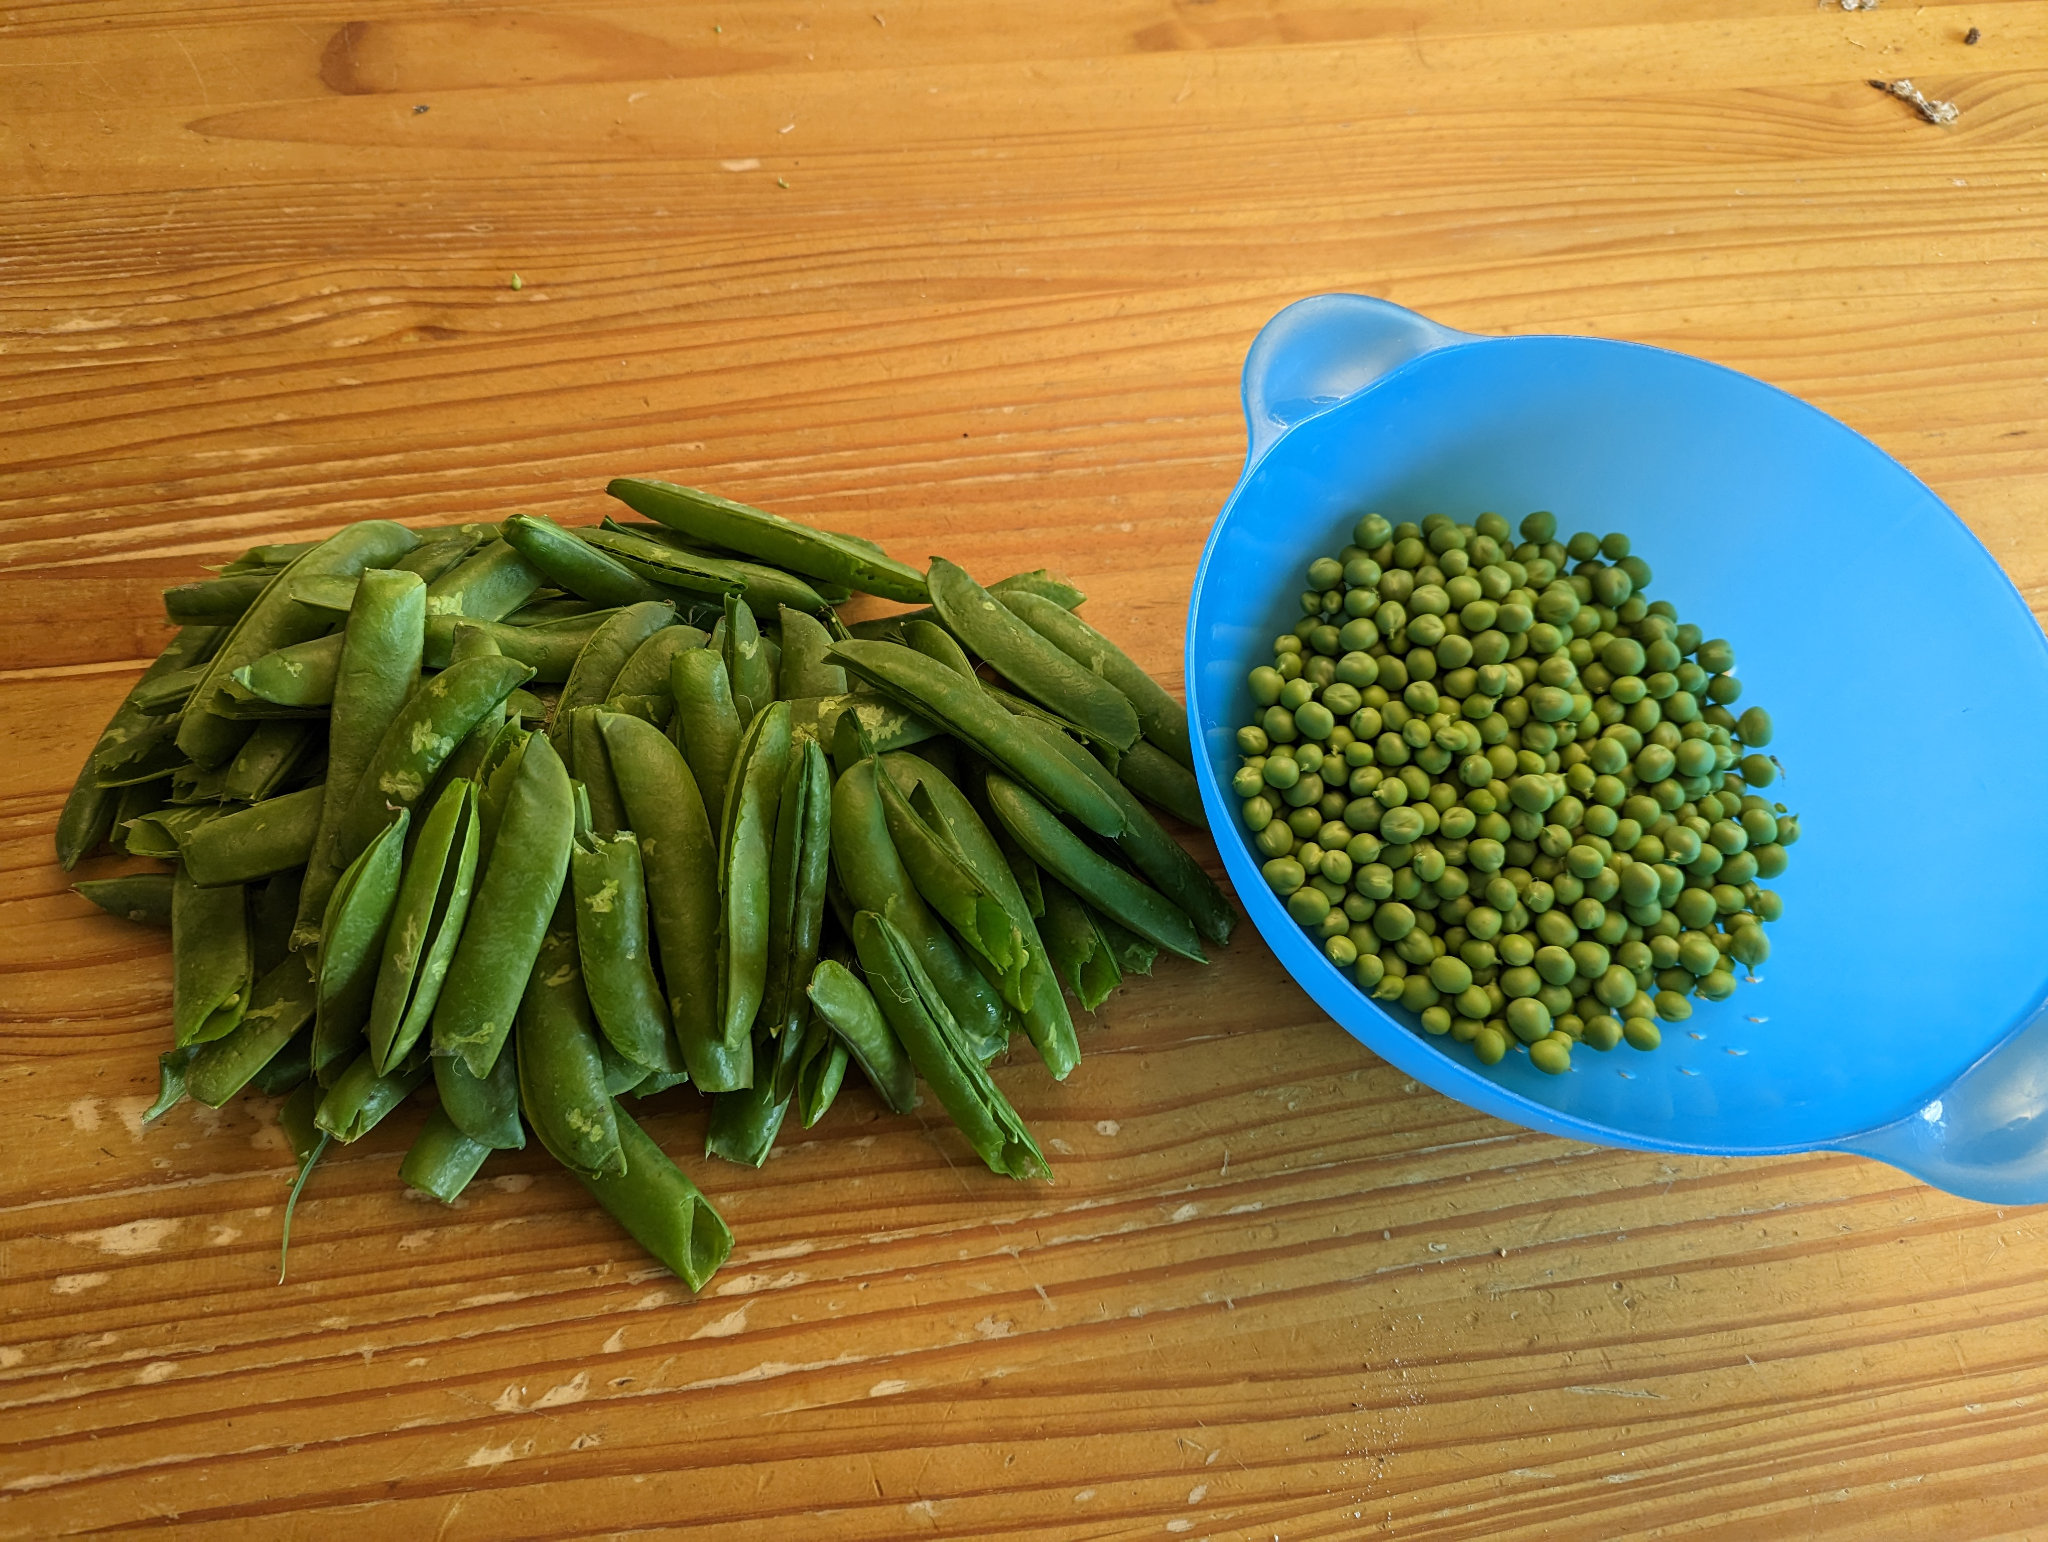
(1985, 1136)
(1323, 350)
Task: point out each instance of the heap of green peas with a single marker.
(1506, 790)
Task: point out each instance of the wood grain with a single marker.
(973, 278)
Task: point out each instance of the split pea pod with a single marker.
(561, 1071)
(466, 761)
(1117, 893)
(1163, 720)
(276, 621)
(590, 763)
(918, 1014)
(938, 645)
(746, 839)
(486, 1108)
(380, 666)
(508, 915)
(88, 814)
(590, 682)
(612, 943)
(738, 640)
(441, 549)
(850, 725)
(301, 676)
(269, 757)
(679, 855)
(166, 693)
(549, 648)
(442, 1160)
(1162, 782)
(643, 686)
(707, 725)
(494, 782)
(660, 1208)
(805, 669)
(817, 553)
(840, 999)
(426, 731)
(352, 932)
(695, 575)
(361, 1096)
(952, 821)
(139, 897)
(260, 840)
(1151, 850)
(576, 565)
(744, 1124)
(1034, 665)
(799, 864)
(873, 877)
(273, 908)
(160, 832)
(1081, 956)
(968, 711)
(280, 1007)
(211, 966)
(821, 1070)
(426, 920)
(487, 586)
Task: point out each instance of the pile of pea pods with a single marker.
(1508, 791)
(554, 819)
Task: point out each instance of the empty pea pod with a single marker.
(943, 1057)
(1081, 955)
(442, 1160)
(378, 669)
(1163, 721)
(352, 932)
(561, 1070)
(88, 815)
(426, 920)
(872, 874)
(1112, 890)
(614, 948)
(485, 1108)
(841, 1000)
(679, 856)
(550, 649)
(817, 553)
(522, 878)
(660, 1208)
(984, 725)
(696, 575)
(281, 1005)
(361, 1096)
(590, 682)
(426, 731)
(166, 693)
(486, 586)
(805, 669)
(274, 621)
(799, 863)
(1152, 851)
(160, 832)
(851, 725)
(590, 763)
(707, 724)
(744, 1123)
(643, 686)
(300, 676)
(269, 757)
(576, 565)
(737, 639)
(745, 846)
(144, 898)
(255, 842)
(936, 644)
(214, 601)
(1162, 782)
(211, 964)
(1034, 665)
(1042, 583)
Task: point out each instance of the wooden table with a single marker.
(976, 278)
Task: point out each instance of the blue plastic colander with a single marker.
(1901, 1012)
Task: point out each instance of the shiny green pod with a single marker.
(486, 1108)
(591, 764)
(271, 755)
(1162, 782)
(707, 724)
(799, 864)
(840, 999)
(679, 855)
(426, 921)
(822, 554)
(281, 1006)
(254, 842)
(523, 874)
(211, 965)
(561, 1072)
(487, 586)
(984, 725)
(660, 1208)
(550, 649)
(805, 669)
(575, 565)
(359, 1098)
(1081, 956)
(612, 943)
(144, 898)
(746, 839)
(610, 646)
(942, 1055)
(1029, 661)
(1162, 720)
(442, 1160)
(352, 933)
(697, 576)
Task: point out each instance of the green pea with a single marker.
(1284, 875)
(1697, 953)
(1258, 813)
(1753, 728)
(1716, 657)
(1750, 946)
(1528, 1019)
(1642, 1032)
(1315, 720)
(1555, 965)
(1281, 772)
(1308, 906)
(1450, 974)
(1393, 921)
(1552, 1055)
(1672, 1007)
(1265, 683)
